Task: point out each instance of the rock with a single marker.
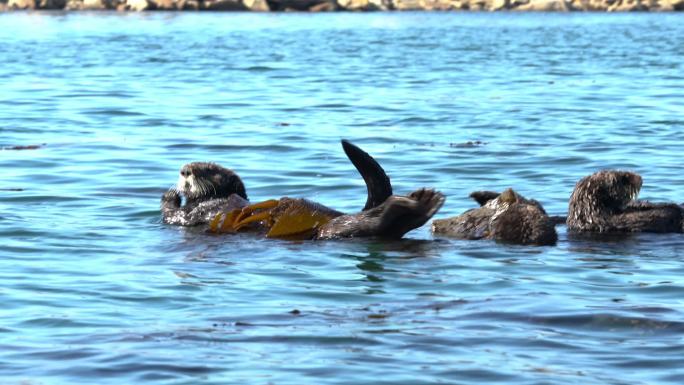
(660, 6)
(544, 6)
(588, 5)
(293, 5)
(363, 5)
(627, 6)
(52, 4)
(477, 5)
(95, 4)
(328, 6)
(21, 4)
(499, 5)
(166, 5)
(256, 5)
(188, 5)
(440, 5)
(406, 5)
(86, 5)
(461, 4)
(506, 5)
(223, 5)
(139, 5)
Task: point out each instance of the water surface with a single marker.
(96, 290)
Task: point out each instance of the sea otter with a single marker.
(216, 196)
(507, 217)
(604, 202)
(208, 190)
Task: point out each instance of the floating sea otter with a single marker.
(507, 217)
(603, 202)
(216, 196)
(208, 189)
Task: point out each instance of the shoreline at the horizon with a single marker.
(349, 5)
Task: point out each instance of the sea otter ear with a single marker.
(171, 199)
(377, 182)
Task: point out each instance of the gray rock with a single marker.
(21, 4)
(256, 5)
(223, 5)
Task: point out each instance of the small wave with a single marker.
(112, 112)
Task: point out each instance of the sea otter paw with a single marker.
(422, 194)
(171, 199)
(428, 199)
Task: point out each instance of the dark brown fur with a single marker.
(208, 188)
(392, 219)
(507, 217)
(603, 202)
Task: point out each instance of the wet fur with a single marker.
(507, 217)
(392, 219)
(208, 188)
(604, 202)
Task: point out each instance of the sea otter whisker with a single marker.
(199, 188)
(202, 189)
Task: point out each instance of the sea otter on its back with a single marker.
(208, 190)
(215, 196)
(603, 202)
(507, 217)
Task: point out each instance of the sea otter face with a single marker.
(201, 180)
(186, 182)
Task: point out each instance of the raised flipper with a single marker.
(392, 219)
(384, 214)
(377, 182)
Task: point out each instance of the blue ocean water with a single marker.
(95, 289)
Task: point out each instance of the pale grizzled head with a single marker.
(202, 180)
(600, 195)
(509, 197)
(501, 203)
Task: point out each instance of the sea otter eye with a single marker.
(186, 173)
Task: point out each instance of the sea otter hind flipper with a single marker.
(402, 214)
(377, 181)
(396, 216)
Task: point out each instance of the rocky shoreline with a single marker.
(348, 5)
